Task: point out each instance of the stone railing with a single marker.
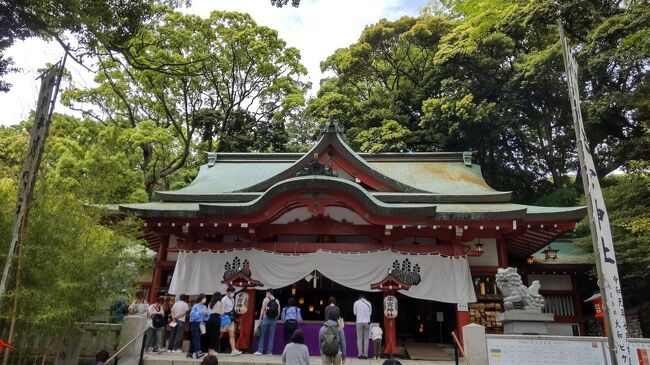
(82, 346)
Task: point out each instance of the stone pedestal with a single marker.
(475, 344)
(131, 327)
(524, 322)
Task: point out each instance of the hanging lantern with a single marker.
(311, 308)
(479, 246)
(597, 301)
(550, 254)
(301, 300)
(598, 308)
(241, 302)
(293, 291)
(530, 260)
(390, 306)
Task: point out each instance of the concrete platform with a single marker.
(249, 359)
(429, 351)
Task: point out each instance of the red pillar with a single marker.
(246, 323)
(390, 337)
(157, 270)
(462, 319)
(457, 245)
(502, 252)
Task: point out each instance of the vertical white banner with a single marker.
(608, 278)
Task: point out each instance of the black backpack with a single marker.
(272, 308)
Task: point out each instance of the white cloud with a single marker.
(317, 28)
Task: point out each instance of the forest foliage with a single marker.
(465, 75)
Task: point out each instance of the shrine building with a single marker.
(423, 227)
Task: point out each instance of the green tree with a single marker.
(81, 157)
(54, 300)
(92, 24)
(627, 197)
(390, 137)
(488, 76)
(84, 162)
(222, 82)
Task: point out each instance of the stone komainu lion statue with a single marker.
(515, 294)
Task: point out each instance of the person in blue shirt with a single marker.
(291, 316)
(198, 314)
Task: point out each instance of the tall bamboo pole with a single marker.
(50, 82)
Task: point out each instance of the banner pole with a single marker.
(601, 235)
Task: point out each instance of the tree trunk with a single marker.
(146, 160)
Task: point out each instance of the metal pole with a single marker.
(601, 235)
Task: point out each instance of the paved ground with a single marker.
(249, 359)
(429, 351)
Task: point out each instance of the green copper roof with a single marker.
(163, 210)
(442, 186)
(440, 177)
(228, 177)
(567, 253)
(421, 177)
(442, 212)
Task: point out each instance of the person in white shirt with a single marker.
(139, 307)
(375, 335)
(178, 312)
(362, 310)
(228, 318)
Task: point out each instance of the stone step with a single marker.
(249, 359)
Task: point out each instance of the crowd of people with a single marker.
(209, 321)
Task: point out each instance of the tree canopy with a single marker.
(488, 76)
(91, 24)
(82, 164)
(223, 83)
(466, 75)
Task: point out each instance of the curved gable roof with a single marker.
(331, 137)
(319, 184)
(442, 176)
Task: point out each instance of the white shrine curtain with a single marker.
(444, 279)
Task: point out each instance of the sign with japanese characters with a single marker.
(599, 222)
(390, 306)
(509, 351)
(241, 302)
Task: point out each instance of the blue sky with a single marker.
(317, 28)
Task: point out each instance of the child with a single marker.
(375, 336)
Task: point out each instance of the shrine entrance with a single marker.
(312, 300)
(418, 320)
(421, 320)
